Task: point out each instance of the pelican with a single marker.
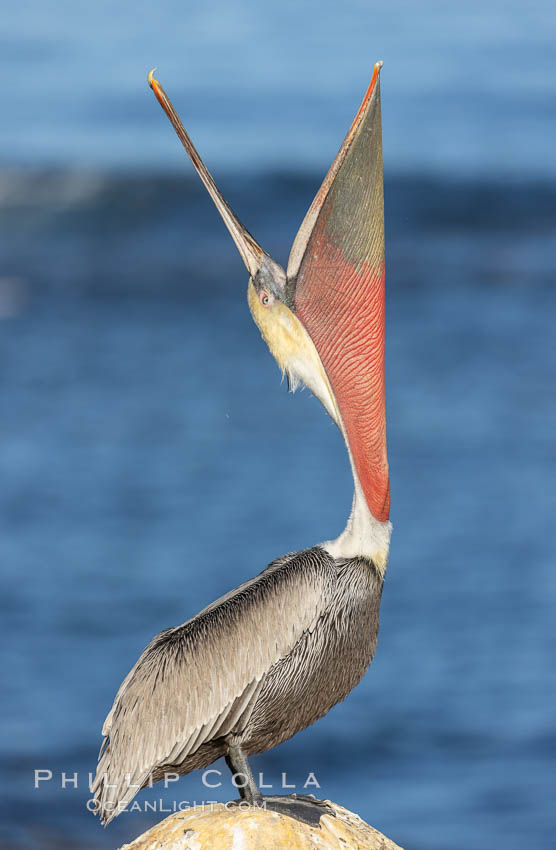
(276, 653)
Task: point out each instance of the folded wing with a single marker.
(198, 682)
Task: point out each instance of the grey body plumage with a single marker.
(253, 668)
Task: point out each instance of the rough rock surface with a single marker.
(225, 827)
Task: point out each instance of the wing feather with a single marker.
(198, 682)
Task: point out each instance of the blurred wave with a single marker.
(92, 231)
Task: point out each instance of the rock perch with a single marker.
(223, 826)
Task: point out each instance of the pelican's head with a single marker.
(270, 294)
(287, 339)
(323, 319)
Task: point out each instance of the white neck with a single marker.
(363, 536)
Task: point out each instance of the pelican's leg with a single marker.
(304, 808)
(238, 764)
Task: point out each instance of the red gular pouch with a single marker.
(336, 287)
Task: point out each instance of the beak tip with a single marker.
(150, 77)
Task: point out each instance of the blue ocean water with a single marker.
(150, 459)
(466, 88)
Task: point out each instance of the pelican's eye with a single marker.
(265, 298)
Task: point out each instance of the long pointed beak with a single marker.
(251, 252)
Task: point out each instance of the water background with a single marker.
(150, 459)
